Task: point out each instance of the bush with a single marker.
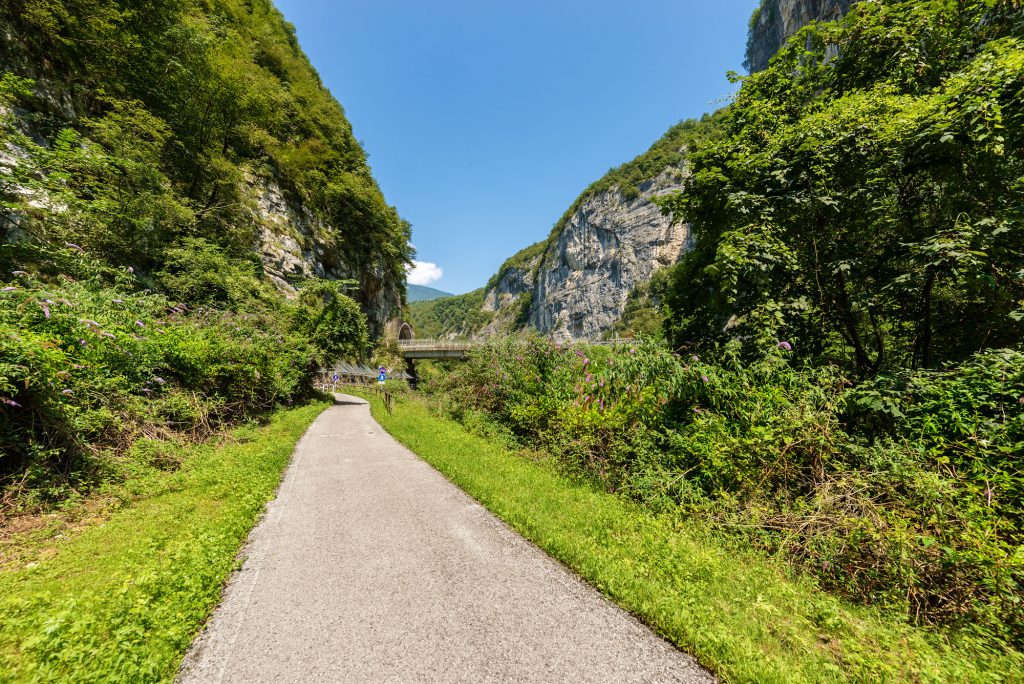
(902, 493)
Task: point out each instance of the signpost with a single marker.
(382, 375)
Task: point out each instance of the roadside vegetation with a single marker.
(138, 143)
(122, 601)
(746, 617)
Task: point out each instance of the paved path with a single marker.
(372, 567)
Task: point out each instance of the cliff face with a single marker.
(609, 246)
(776, 20)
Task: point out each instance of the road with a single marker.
(370, 566)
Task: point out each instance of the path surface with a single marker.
(372, 567)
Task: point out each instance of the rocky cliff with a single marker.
(210, 110)
(610, 244)
(774, 21)
(575, 284)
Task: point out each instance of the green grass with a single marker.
(122, 600)
(742, 615)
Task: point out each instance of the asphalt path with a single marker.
(370, 566)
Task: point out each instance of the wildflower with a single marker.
(602, 382)
(587, 378)
(81, 342)
(785, 346)
(600, 404)
(578, 353)
(117, 301)
(67, 392)
(72, 245)
(45, 308)
(695, 358)
(697, 409)
(9, 289)
(704, 379)
(140, 324)
(159, 380)
(103, 333)
(89, 322)
(131, 270)
(10, 402)
(19, 273)
(1021, 400)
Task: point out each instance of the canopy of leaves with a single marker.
(865, 200)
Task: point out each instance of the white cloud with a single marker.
(423, 273)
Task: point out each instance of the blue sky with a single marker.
(484, 119)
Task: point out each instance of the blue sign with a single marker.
(335, 377)
(382, 377)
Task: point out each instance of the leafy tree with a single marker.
(866, 207)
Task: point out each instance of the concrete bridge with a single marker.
(413, 349)
(435, 349)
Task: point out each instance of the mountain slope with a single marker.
(244, 146)
(422, 293)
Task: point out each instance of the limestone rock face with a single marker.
(577, 288)
(609, 246)
(777, 20)
(288, 244)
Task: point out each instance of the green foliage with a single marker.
(868, 205)
(741, 615)
(332, 321)
(459, 316)
(88, 364)
(179, 108)
(123, 600)
(904, 494)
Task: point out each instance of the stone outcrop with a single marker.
(287, 242)
(577, 287)
(608, 246)
(776, 20)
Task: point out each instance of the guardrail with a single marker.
(387, 397)
(440, 345)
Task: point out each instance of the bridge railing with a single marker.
(439, 345)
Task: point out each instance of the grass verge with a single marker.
(122, 600)
(742, 615)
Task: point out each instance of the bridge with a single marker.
(435, 349)
(413, 349)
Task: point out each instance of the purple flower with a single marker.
(19, 273)
(587, 378)
(106, 334)
(81, 342)
(704, 379)
(601, 383)
(67, 392)
(695, 358)
(600, 404)
(9, 289)
(131, 270)
(785, 346)
(90, 322)
(72, 245)
(140, 324)
(10, 402)
(45, 308)
(578, 353)
(159, 380)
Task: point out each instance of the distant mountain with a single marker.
(422, 293)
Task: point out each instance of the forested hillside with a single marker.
(189, 228)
